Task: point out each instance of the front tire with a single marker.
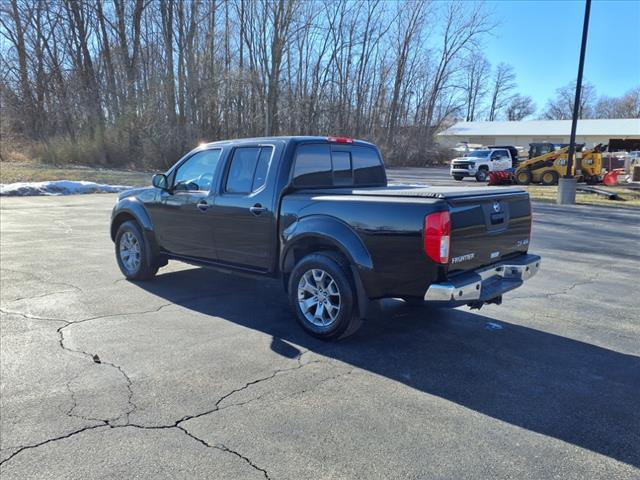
(133, 253)
(322, 295)
(481, 175)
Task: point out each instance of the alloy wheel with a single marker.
(130, 251)
(319, 297)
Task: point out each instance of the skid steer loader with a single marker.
(549, 167)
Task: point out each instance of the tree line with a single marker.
(139, 82)
(591, 106)
(491, 96)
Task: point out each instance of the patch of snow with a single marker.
(59, 187)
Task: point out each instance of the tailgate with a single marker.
(487, 227)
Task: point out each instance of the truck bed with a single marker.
(436, 192)
(488, 225)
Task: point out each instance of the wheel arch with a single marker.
(316, 234)
(329, 233)
(132, 210)
(126, 210)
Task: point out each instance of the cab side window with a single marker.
(196, 174)
(325, 165)
(264, 161)
(367, 166)
(342, 170)
(248, 169)
(313, 166)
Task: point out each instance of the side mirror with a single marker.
(159, 180)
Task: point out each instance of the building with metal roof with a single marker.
(521, 134)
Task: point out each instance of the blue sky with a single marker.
(541, 40)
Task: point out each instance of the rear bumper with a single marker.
(485, 283)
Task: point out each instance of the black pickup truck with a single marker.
(318, 213)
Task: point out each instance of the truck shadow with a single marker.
(570, 390)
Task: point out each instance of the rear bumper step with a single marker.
(485, 283)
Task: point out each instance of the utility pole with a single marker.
(567, 185)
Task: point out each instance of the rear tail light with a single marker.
(340, 139)
(437, 236)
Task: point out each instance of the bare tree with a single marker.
(627, 106)
(630, 104)
(14, 22)
(476, 71)
(462, 27)
(139, 81)
(520, 107)
(275, 32)
(561, 107)
(410, 19)
(502, 85)
(166, 12)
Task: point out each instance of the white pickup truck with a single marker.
(478, 163)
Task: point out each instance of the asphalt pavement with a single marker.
(197, 374)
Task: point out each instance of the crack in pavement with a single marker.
(32, 317)
(74, 322)
(564, 291)
(299, 392)
(580, 324)
(176, 424)
(39, 296)
(22, 448)
(104, 424)
(224, 448)
(216, 406)
(74, 404)
(219, 446)
(176, 302)
(129, 385)
(40, 278)
(324, 380)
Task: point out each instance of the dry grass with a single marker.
(33, 171)
(550, 194)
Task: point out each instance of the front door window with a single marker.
(196, 174)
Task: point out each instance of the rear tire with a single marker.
(133, 253)
(322, 295)
(414, 301)
(592, 180)
(523, 177)
(482, 174)
(550, 177)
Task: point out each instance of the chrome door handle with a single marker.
(202, 205)
(257, 209)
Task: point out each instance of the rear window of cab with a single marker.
(327, 165)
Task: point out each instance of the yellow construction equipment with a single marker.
(549, 167)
